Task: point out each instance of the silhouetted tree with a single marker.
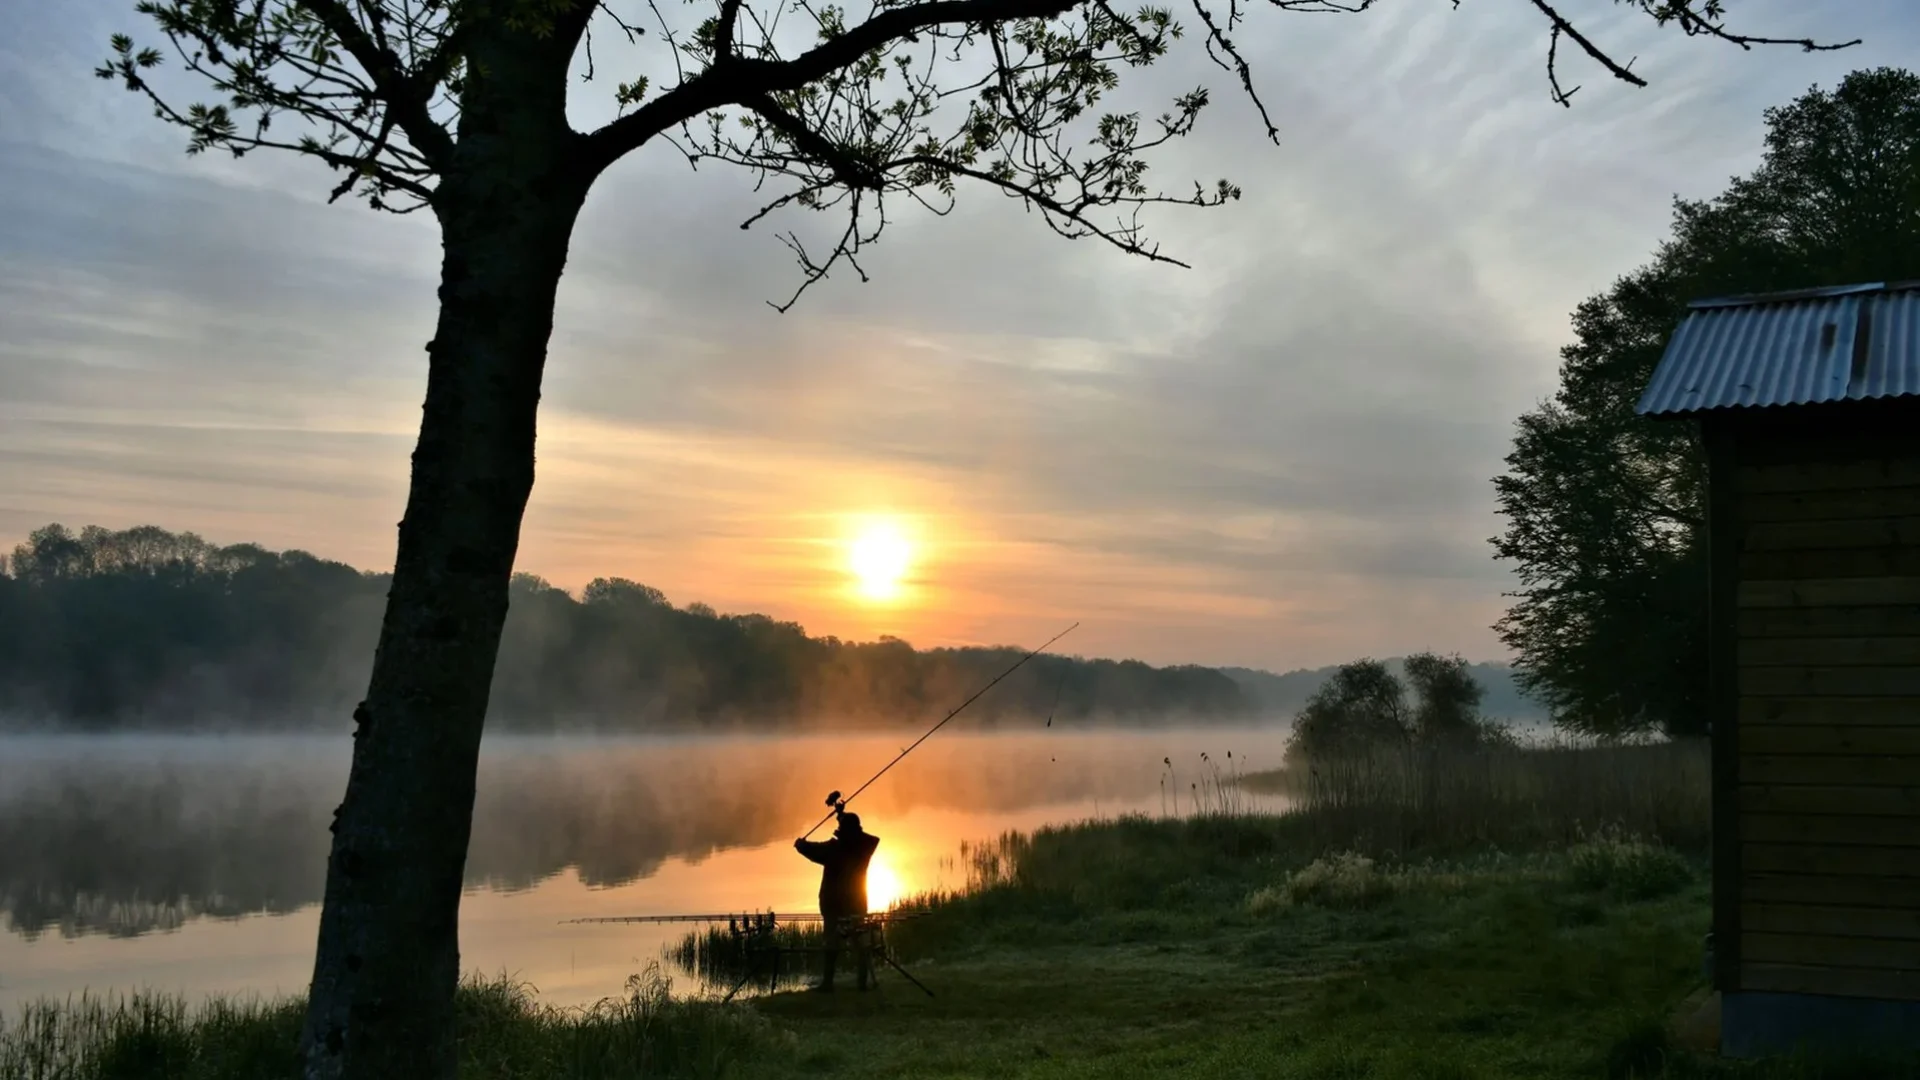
(461, 107)
(1447, 697)
(1364, 707)
(1604, 509)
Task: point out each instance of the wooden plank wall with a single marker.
(1827, 639)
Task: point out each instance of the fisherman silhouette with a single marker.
(843, 889)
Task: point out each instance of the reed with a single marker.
(1444, 798)
(1217, 790)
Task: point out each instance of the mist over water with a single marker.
(196, 863)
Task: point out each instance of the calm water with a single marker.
(196, 864)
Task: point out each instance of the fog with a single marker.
(127, 835)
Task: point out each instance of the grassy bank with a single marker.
(504, 1032)
(1320, 944)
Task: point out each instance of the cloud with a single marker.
(1279, 457)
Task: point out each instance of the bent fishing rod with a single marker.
(838, 804)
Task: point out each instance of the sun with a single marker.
(883, 886)
(878, 558)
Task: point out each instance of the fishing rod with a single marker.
(1057, 687)
(797, 916)
(778, 917)
(838, 804)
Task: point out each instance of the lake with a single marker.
(195, 864)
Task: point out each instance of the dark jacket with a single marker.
(843, 877)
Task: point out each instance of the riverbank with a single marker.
(1193, 948)
(1222, 945)
(1204, 949)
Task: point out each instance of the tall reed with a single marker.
(1412, 798)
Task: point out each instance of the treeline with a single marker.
(149, 628)
(1605, 510)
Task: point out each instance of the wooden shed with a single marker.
(1808, 404)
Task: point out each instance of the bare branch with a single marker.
(1693, 22)
(1216, 37)
(1564, 97)
(1706, 21)
(1562, 26)
(846, 250)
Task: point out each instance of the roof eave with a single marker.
(1770, 406)
(1818, 292)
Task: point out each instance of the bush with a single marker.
(1627, 867)
(1346, 880)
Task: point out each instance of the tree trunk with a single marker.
(388, 958)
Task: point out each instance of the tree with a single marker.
(1448, 699)
(460, 107)
(1364, 707)
(1361, 707)
(1604, 509)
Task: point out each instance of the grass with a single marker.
(1214, 945)
(504, 1032)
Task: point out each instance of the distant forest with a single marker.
(145, 628)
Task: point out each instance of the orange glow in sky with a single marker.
(838, 542)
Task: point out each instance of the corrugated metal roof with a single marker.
(1811, 346)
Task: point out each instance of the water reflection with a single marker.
(221, 843)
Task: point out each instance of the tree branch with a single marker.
(1215, 36)
(730, 81)
(723, 33)
(847, 169)
(1562, 26)
(1659, 508)
(404, 96)
(1124, 239)
(1694, 23)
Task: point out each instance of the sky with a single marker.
(1281, 457)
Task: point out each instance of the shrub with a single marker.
(1626, 866)
(1346, 880)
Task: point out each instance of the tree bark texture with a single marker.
(381, 1004)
